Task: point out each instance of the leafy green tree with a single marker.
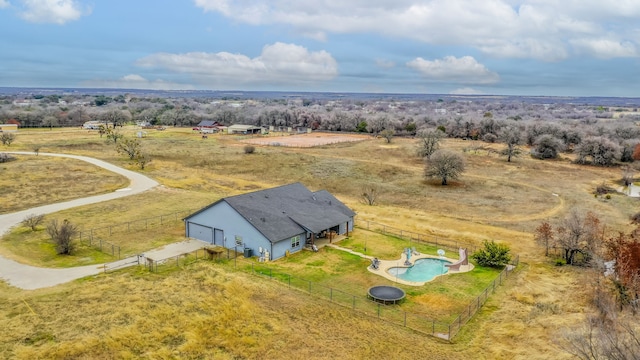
(492, 255)
(361, 127)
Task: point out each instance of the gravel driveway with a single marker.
(32, 277)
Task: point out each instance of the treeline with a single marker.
(598, 135)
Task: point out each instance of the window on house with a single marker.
(295, 241)
(238, 240)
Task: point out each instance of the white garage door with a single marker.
(200, 232)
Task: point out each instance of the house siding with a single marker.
(281, 247)
(223, 217)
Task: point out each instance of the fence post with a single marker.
(289, 280)
(331, 294)
(449, 332)
(353, 303)
(433, 327)
(309, 287)
(378, 310)
(405, 319)
(113, 251)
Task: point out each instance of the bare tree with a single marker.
(429, 141)
(387, 134)
(113, 135)
(544, 236)
(602, 151)
(547, 147)
(7, 138)
(62, 236)
(32, 221)
(512, 137)
(444, 164)
(627, 175)
(579, 233)
(370, 193)
(142, 159)
(130, 147)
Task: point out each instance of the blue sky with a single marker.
(507, 47)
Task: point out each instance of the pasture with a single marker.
(170, 315)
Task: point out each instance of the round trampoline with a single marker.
(386, 294)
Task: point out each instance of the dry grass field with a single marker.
(208, 311)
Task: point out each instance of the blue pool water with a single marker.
(422, 270)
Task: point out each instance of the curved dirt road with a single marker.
(31, 277)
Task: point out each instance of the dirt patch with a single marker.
(306, 140)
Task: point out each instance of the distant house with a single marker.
(244, 129)
(8, 127)
(277, 220)
(92, 125)
(208, 124)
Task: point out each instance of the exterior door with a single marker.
(218, 237)
(200, 232)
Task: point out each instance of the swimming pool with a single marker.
(422, 270)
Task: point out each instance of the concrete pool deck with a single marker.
(385, 265)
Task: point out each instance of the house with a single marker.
(277, 221)
(92, 125)
(208, 124)
(8, 127)
(244, 129)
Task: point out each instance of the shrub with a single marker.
(635, 218)
(608, 197)
(4, 157)
(249, 149)
(62, 236)
(492, 255)
(561, 262)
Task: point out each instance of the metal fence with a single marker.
(95, 237)
(448, 244)
(364, 305)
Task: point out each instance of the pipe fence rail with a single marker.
(95, 237)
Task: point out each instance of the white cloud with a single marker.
(464, 70)
(540, 29)
(605, 48)
(134, 81)
(278, 63)
(52, 11)
(4, 4)
(465, 91)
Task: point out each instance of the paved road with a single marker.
(32, 277)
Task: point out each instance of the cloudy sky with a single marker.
(508, 47)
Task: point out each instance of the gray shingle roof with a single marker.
(285, 211)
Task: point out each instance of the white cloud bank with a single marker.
(134, 81)
(548, 30)
(52, 11)
(278, 63)
(465, 70)
(4, 4)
